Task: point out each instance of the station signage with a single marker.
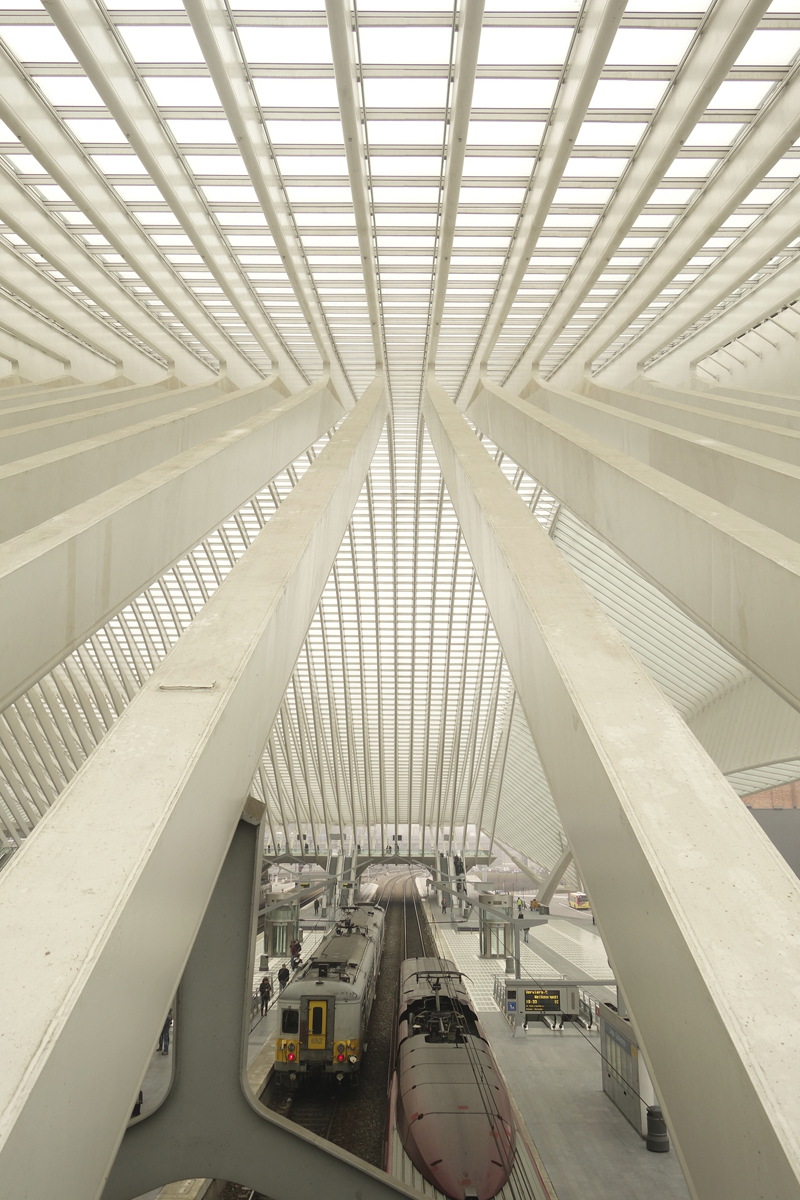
(539, 1000)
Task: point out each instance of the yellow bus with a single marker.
(579, 900)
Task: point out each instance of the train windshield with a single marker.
(291, 1020)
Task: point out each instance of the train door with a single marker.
(317, 1024)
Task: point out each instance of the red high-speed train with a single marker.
(448, 1099)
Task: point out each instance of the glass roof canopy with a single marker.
(402, 646)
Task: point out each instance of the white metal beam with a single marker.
(94, 41)
(27, 410)
(66, 578)
(746, 430)
(630, 781)
(24, 109)
(100, 907)
(103, 414)
(20, 277)
(466, 63)
(340, 28)
(737, 579)
(38, 488)
(594, 33)
(31, 221)
(764, 239)
(716, 45)
(768, 137)
(213, 25)
(677, 362)
(766, 489)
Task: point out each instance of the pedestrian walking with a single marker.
(444, 906)
(283, 976)
(137, 1108)
(163, 1040)
(265, 991)
(316, 908)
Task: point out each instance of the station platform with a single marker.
(589, 1150)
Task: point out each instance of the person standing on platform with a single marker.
(265, 991)
(316, 908)
(283, 976)
(163, 1040)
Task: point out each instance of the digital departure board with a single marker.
(542, 1000)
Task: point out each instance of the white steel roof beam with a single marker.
(42, 132)
(629, 780)
(94, 41)
(763, 241)
(675, 362)
(766, 489)
(49, 301)
(767, 139)
(166, 787)
(594, 32)
(340, 28)
(65, 579)
(703, 550)
(35, 489)
(468, 40)
(31, 221)
(215, 29)
(717, 44)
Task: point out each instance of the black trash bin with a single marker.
(657, 1138)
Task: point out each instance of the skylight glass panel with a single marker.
(91, 131)
(740, 93)
(186, 91)
(285, 44)
(628, 93)
(505, 133)
(297, 93)
(401, 93)
(405, 164)
(610, 168)
(609, 133)
(37, 43)
(713, 133)
(319, 195)
(404, 44)
(70, 91)
(403, 195)
(227, 193)
(690, 168)
(523, 45)
(649, 47)
(169, 44)
(307, 133)
(406, 133)
(299, 164)
(513, 93)
(199, 132)
(498, 165)
(216, 164)
(25, 164)
(770, 48)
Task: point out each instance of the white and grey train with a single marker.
(323, 1012)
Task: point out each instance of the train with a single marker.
(324, 1010)
(448, 1098)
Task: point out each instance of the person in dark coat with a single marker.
(265, 991)
(137, 1108)
(283, 976)
(163, 1040)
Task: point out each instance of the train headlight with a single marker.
(291, 1048)
(340, 1058)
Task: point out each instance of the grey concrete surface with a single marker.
(590, 1151)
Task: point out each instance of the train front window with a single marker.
(291, 1020)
